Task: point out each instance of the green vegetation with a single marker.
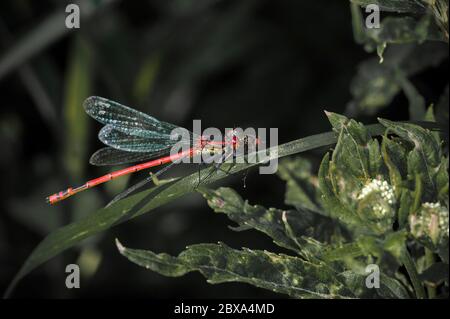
(380, 196)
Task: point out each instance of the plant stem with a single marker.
(410, 266)
(429, 258)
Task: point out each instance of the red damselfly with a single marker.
(132, 136)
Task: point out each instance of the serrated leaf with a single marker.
(424, 160)
(289, 229)
(392, 288)
(227, 201)
(389, 287)
(394, 155)
(337, 121)
(300, 190)
(356, 162)
(329, 198)
(351, 155)
(220, 263)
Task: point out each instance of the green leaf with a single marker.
(439, 9)
(370, 246)
(219, 263)
(375, 85)
(400, 6)
(430, 117)
(424, 160)
(394, 243)
(357, 23)
(389, 287)
(342, 252)
(411, 269)
(351, 155)
(376, 165)
(442, 181)
(394, 155)
(399, 30)
(416, 100)
(269, 221)
(356, 163)
(330, 200)
(392, 288)
(417, 194)
(300, 188)
(404, 210)
(293, 230)
(396, 29)
(337, 121)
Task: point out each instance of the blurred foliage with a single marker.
(254, 63)
(376, 84)
(76, 130)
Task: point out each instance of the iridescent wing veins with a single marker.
(110, 136)
(112, 156)
(129, 130)
(125, 119)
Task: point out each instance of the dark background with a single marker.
(229, 63)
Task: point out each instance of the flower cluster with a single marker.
(383, 191)
(431, 221)
(384, 188)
